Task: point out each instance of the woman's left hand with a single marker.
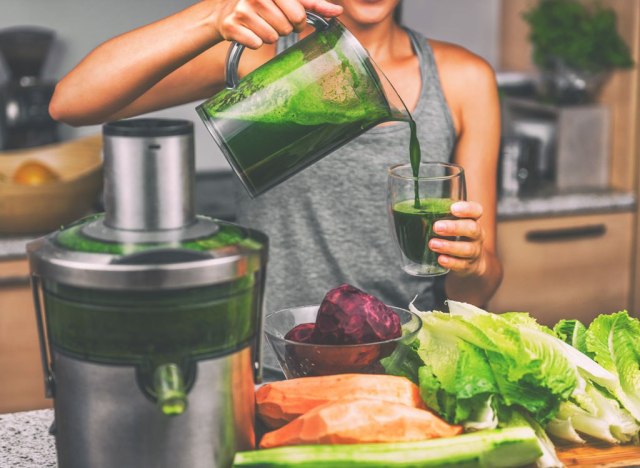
(463, 256)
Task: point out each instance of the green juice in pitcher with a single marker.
(262, 161)
(414, 227)
(306, 102)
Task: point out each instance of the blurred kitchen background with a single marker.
(568, 182)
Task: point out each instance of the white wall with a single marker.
(473, 24)
(83, 24)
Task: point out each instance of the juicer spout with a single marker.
(171, 395)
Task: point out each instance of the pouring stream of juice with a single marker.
(415, 157)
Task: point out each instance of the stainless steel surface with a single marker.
(42, 337)
(81, 269)
(199, 228)
(148, 182)
(103, 420)
(106, 415)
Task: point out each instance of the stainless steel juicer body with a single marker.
(150, 316)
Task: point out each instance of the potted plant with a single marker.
(576, 47)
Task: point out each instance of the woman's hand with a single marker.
(465, 255)
(256, 22)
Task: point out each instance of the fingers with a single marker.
(468, 228)
(462, 266)
(463, 254)
(467, 209)
(460, 249)
(294, 13)
(322, 7)
(256, 22)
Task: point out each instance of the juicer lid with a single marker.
(149, 236)
(74, 257)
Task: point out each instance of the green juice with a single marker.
(414, 226)
(296, 109)
(261, 157)
(415, 156)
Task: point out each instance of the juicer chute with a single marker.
(149, 315)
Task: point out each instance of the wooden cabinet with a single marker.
(621, 94)
(21, 377)
(571, 266)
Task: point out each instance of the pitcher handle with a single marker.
(236, 49)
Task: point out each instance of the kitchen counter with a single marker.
(550, 203)
(13, 247)
(25, 441)
(215, 197)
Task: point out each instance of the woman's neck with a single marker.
(378, 39)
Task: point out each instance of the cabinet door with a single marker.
(566, 267)
(21, 376)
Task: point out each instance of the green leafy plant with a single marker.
(585, 38)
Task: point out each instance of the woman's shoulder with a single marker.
(466, 78)
(456, 62)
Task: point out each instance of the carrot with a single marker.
(360, 421)
(281, 402)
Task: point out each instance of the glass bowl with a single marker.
(306, 359)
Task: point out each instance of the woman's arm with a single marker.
(476, 271)
(172, 61)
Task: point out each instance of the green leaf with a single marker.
(585, 38)
(614, 341)
(572, 332)
(530, 368)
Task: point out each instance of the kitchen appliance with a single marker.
(518, 168)
(24, 99)
(300, 106)
(573, 141)
(149, 315)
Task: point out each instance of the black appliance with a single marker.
(24, 99)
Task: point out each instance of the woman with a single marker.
(328, 224)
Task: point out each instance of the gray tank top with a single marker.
(328, 224)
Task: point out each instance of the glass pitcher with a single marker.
(300, 106)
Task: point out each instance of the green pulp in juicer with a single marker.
(228, 234)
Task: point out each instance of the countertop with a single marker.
(551, 203)
(215, 197)
(25, 441)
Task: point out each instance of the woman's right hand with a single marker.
(256, 22)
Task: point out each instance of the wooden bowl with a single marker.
(35, 209)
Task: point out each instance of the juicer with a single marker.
(149, 316)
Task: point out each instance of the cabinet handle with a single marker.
(9, 281)
(567, 234)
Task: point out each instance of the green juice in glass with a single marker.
(414, 227)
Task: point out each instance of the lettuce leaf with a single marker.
(614, 341)
(529, 367)
(574, 333)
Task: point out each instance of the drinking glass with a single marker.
(415, 204)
